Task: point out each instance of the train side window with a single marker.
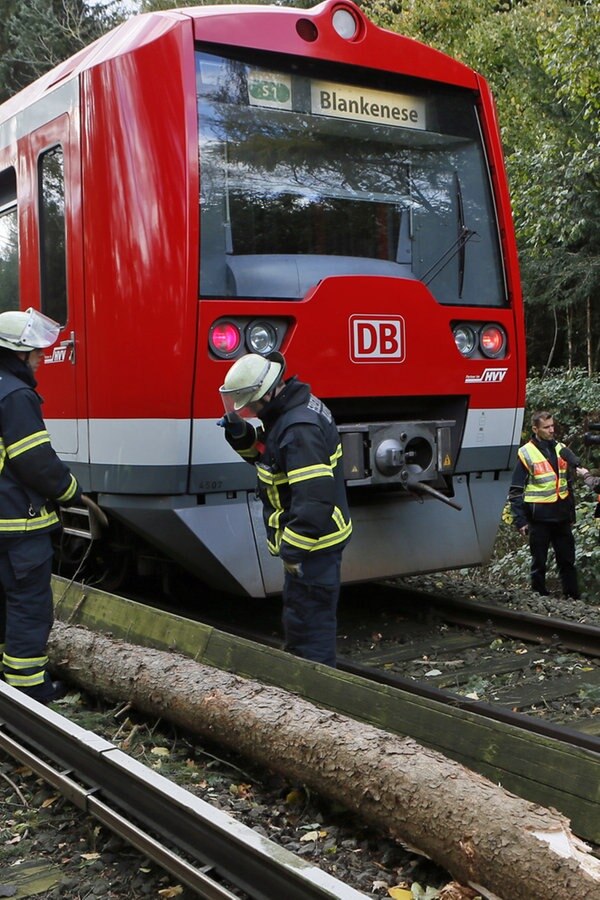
(9, 241)
(53, 262)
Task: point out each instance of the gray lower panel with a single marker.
(213, 540)
(223, 542)
(479, 459)
(117, 479)
(410, 537)
(205, 479)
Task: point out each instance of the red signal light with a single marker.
(493, 341)
(225, 339)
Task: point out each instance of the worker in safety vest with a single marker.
(297, 454)
(33, 481)
(542, 503)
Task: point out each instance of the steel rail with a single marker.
(528, 625)
(86, 800)
(136, 802)
(514, 623)
(525, 625)
(488, 710)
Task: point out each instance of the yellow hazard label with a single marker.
(447, 461)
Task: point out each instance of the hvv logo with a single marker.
(377, 339)
(488, 376)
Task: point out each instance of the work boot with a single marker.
(60, 690)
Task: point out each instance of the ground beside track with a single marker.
(80, 860)
(76, 858)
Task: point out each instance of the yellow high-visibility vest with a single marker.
(544, 484)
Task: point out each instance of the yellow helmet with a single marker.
(26, 331)
(250, 378)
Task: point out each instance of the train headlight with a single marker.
(465, 339)
(492, 341)
(225, 339)
(344, 24)
(261, 337)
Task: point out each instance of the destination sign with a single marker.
(274, 90)
(347, 102)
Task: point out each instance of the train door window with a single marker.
(53, 263)
(9, 241)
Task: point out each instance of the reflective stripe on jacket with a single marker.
(544, 485)
(300, 476)
(276, 488)
(31, 473)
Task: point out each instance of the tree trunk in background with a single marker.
(555, 336)
(588, 342)
(569, 317)
(485, 836)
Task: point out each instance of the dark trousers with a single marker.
(560, 535)
(310, 608)
(26, 612)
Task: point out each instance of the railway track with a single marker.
(546, 762)
(539, 673)
(535, 672)
(203, 847)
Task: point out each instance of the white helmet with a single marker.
(250, 378)
(29, 330)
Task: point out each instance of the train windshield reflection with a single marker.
(303, 177)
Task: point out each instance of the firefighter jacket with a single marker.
(298, 460)
(32, 477)
(540, 488)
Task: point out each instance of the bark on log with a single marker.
(501, 845)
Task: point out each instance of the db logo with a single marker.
(377, 338)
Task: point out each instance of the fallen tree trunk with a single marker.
(499, 844)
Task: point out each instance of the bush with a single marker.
(573, 397)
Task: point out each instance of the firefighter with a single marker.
(32, 480)
(298, 458)
(543, 507)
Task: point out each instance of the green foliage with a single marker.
(36, 35)
(537, 57)
(571, 396)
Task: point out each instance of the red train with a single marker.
(202, 183)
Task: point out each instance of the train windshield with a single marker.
(308, 176)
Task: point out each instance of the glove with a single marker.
(234, 425)
(294, 569)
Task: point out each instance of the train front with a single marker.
(354, 215)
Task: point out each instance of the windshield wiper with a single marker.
(460, 211)
(448, 255)
(464, 236)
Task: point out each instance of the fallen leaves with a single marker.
(313, 836)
